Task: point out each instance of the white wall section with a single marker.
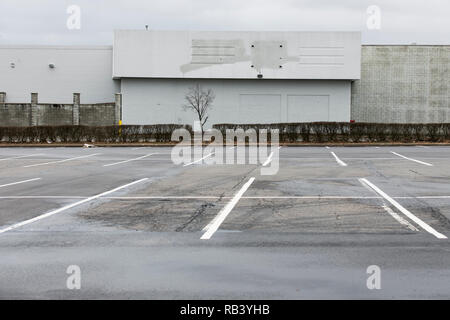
(237, 54)
(86, 70)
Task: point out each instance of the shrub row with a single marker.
(351, 132)
(108, 134)
(288, 132)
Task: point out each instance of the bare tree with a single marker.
(199, 101)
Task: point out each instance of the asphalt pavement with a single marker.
(140, 226)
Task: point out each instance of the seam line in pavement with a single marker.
(220, 197)
(212, 227)
(399, 219)
(411, 216)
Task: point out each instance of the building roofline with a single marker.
(237, 31)
(57, 47)
(229, 79)
(406, 45)
(110, 47)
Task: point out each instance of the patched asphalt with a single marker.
(309, 231)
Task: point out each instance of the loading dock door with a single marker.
(259, 108)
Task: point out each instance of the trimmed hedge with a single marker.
(351, 132)
(108, 134)
(289, 132)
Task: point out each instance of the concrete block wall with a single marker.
(403, 84)
(101, 114)
(54, 114)
(43, 114)
(15, 114)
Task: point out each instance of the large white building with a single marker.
(257, 77)
(56, 72)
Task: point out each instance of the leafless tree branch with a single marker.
(199, 101)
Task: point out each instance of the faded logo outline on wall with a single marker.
(261, 54)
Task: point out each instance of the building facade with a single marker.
(403, 84)
(257, 77)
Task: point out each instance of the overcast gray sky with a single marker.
(44, 21)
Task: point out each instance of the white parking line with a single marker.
(207, 156)
(400, 219)
(18, 182)
(403, 210)
(391, 158)
(43, 197)
(315, 159)
(433, 197)
(269, 159)
(220, 197)
(217, 221)
(200, 197)
(20, 157)
(60, 161)
(48, 214)
(418, 161)
(129, 160)
(342, 163)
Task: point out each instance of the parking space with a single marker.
(321, 197)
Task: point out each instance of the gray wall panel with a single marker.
(156, 101)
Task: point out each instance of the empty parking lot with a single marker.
(139, 226)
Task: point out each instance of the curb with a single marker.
(115, 145)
